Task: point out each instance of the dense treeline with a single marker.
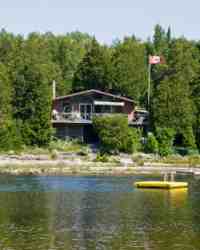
(77, 62)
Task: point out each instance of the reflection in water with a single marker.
(178, 197)
(57, 213)
(175, 197)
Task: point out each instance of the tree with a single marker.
(129, 69)
(7, 46)
(68, 51)
(161, 39)
(160, 46)
(93, 70)
(5, 96)
(172, 104)
(169, 35)
(8, 133)
(195, 88)
(32, 81)
(196, 100)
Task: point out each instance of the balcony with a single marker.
(75, 117)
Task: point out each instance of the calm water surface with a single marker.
(57, 213)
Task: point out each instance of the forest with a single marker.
(77, 61)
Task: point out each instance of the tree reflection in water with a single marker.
(57, 213)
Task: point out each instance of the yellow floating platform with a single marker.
(161, 184)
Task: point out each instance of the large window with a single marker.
(108, 109)
(102, 109)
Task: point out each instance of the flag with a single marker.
(154, 59)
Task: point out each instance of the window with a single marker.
(117, 109)
(67, 108)
(102, 109)
(106, 109)
(86, 110)
(98, 109)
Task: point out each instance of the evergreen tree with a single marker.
(7, 46)
(169, 35)
(32, 81)
(5, 96)
(196, 99)
(129, 69)
(93, 71)
(159, 39)
(195, 87)
(172, 102)
(161, 46)
(68, 51)
(7, 137)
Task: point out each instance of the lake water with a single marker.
(87, 213)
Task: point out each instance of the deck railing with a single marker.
(87, 117)
(78, 116)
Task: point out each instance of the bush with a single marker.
(165, 137)
(151, 145)
(54, 154)
(185, 151)
(115, 135)
(83, 152)
(138, 159)
(193, 152)
(194, 160)
(101, 158)
(67, 145)
(133, 141)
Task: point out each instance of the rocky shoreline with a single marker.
(74, 165)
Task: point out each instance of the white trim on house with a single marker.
(102, 103)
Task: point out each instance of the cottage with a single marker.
(72, 114)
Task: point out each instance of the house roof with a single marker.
(123, 98)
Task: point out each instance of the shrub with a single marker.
(192, 151)
(185, 151)
(138, 159)
(165, 137)
(133, 141)
(83, 152)
(66, 145)
(115, 135)
(194, 160)
(54, 154)
(101, 158)
(151, 145)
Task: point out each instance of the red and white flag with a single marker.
(154, 59)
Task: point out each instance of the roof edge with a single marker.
(95, 91)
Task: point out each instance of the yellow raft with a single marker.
(161, 184)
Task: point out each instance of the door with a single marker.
(86, 111)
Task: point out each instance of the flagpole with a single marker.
(149, 86)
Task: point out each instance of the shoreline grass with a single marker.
(76, 157)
